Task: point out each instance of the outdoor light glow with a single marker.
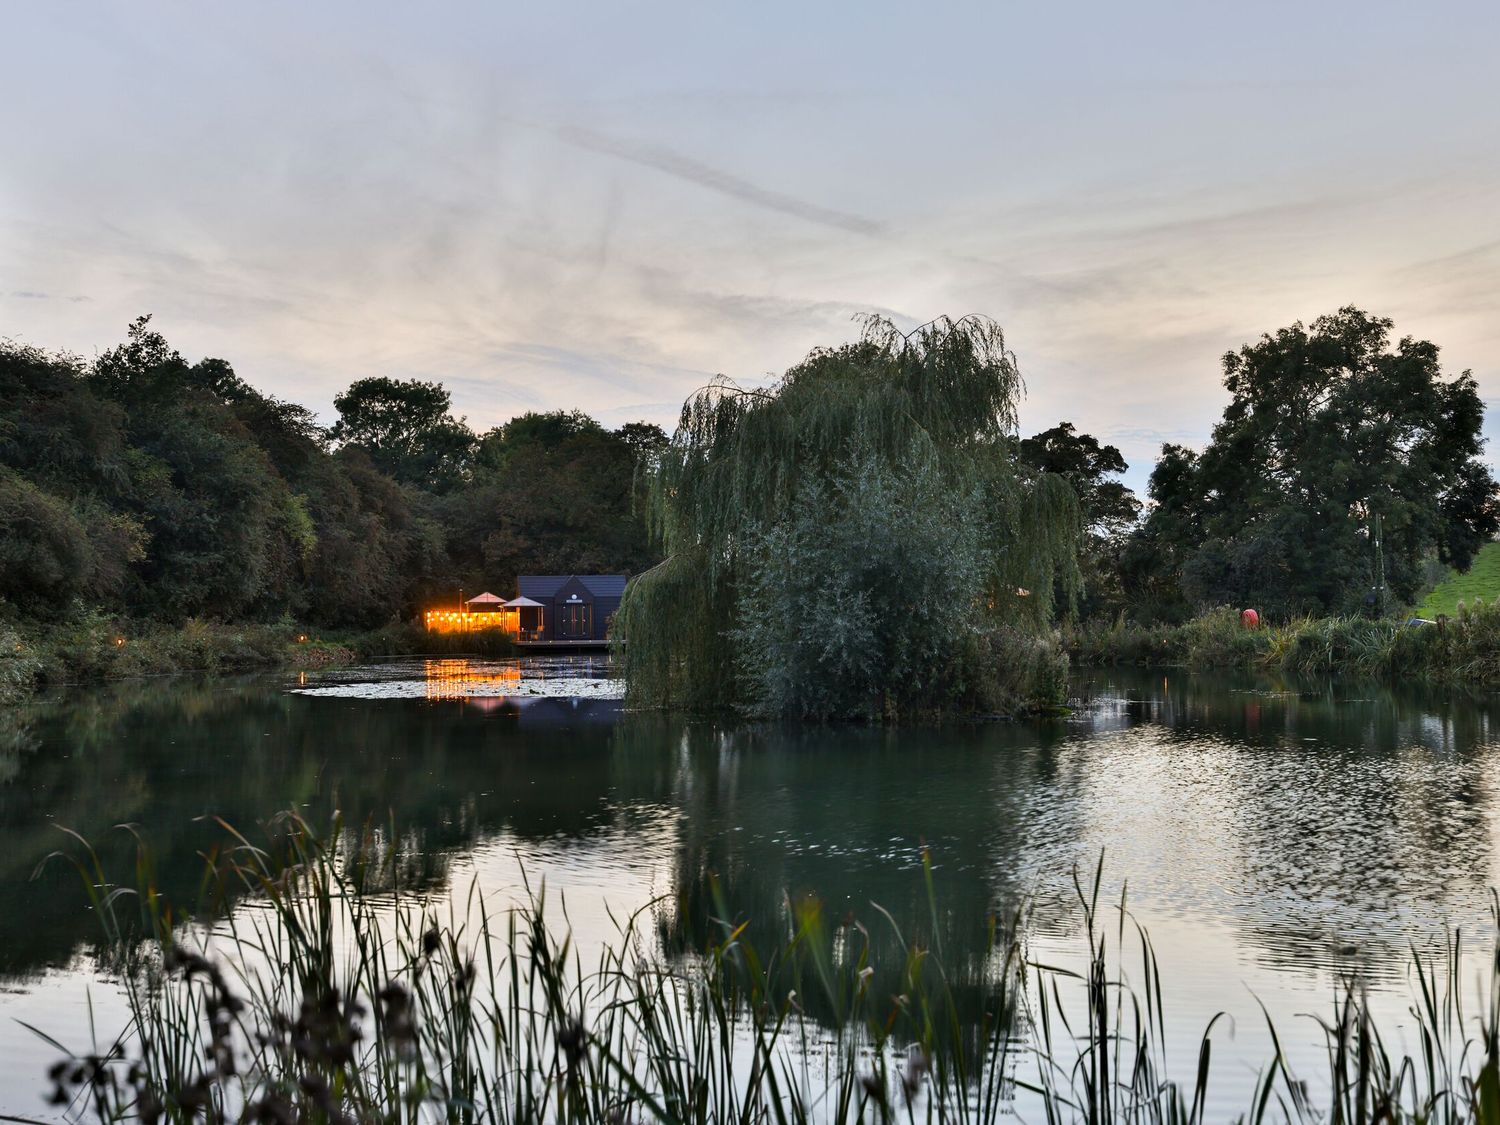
(451, 621)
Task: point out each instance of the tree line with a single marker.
(1345, 472)
(163, 489)
(868, 539)
(1345, 467)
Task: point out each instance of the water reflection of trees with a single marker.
(169, 755)
(778, 822)
(1386, 813)
(1359, 814)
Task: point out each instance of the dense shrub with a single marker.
(1022, 672)
(403, 638)
(1219, 640)
(1461, 650)
(18, 667)
(861, 602)
(44, 549)
(85, 645)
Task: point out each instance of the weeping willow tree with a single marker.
(857, 541)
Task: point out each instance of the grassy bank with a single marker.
(87, 647)
(1464, 650)
(336, 1004)
(1481, 580)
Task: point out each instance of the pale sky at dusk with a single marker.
(600, 206)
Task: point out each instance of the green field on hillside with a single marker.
(1482, 580)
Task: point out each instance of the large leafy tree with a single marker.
(1340, 458)
(159, 488)
(1151, 561)
(404, 426)
(553, 492)
(366, 546)
(223, 526)
(849, 542)
(65, 478)
(1109, 509)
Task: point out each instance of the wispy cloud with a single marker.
(1467, 280)
(676, 164)
(608, 224)
(761, 310)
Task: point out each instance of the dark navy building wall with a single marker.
(562, 594)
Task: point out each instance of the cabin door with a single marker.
(575, 620)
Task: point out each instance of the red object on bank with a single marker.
(1250, 619)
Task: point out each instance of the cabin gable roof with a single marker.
(546, 587)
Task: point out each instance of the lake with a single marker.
(1271, 837)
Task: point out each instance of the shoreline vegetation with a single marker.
(90, 648)
(348, 998)
(1462, 651)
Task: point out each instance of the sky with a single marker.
(602, 206)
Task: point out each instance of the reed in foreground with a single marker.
(330, 994)
(334, 995)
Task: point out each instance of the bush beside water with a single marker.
(1462, 650)
(18, 667)
(1025, 672)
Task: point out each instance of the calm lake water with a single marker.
(1271, 838)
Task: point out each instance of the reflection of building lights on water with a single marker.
(456, 679)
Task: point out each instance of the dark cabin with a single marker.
(576, 608)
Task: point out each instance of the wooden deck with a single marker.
(558, 646)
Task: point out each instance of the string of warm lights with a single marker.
(457, 621)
